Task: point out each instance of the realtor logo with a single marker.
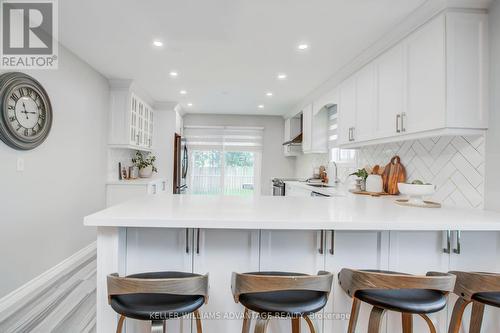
(29, 34)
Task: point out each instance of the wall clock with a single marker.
(25, 111)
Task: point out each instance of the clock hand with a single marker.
(25, 112)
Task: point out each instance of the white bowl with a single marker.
(416, 192)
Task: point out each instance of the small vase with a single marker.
(146, 172)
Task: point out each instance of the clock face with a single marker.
(26, 112)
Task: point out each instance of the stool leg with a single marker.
(198, 321)
(310, 324)
(432, 328)
(456, 317)
(246, 321)
(476, 318)
(375, 320)
(261, 324)
(119, 328)
(407, 321)
(295, 325)
(353, 319)
(157, 326)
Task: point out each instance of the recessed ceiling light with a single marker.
(190, 104)
(281, 76)
(303, 46)
(157, 43)
(260, 106)
(174, 74)
(269, 94)
(183, 92)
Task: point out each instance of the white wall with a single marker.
(274, 163)
(493, 136)
(163, 144)
(42, 208)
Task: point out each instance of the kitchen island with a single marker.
(221, 234)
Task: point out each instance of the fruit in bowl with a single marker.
(416, 191)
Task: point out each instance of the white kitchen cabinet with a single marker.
(432, 83)
(156, 250)
(292, 128)
(298, 251)
(131, 118)
(314, 130)
(123, 190)
(426, 78)
(240, 250)
(390, 78)
(295, 191)
(347, 111)
(357, 250)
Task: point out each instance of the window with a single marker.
(225, 160)
(338, 155)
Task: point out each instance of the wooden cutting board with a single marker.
(394, 173)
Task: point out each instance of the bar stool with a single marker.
(408, 294)
(281, 294)
(157, 297)
(480, 289)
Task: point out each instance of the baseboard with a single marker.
(51, 300)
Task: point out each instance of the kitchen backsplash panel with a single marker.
(454, 164)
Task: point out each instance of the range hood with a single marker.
(297, 140)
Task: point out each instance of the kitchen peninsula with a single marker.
(222, 234)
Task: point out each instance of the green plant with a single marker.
(360, 173)
(141, 162)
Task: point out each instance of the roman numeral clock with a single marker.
(25, 111)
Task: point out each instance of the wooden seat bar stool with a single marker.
(408, 294)
(480, 289)
(281, 294)
(157, 297)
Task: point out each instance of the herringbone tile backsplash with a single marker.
(454, 164)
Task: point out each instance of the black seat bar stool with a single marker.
(157, 297)
(408, 294)
(281, 294)
(480, 289)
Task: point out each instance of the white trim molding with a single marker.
(61, 299)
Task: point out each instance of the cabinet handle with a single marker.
(164, 185)
(403, 116)
(332, 243)
(458, 249)
(353, 133)
(398, 119)
(187, 241)
(198, 241)
(154, 188)
(448, 242)
(321, 242)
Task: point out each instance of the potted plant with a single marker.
(145, 164)
(362, 174)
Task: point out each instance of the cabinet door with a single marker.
(347, 110)
(295, 191)
(365, 103)
(479, 252)
(390, 90)
(418, 252)
(351, 249)
(220, 253)
(307, 128)
(426, 78)
(151, 127)
(291, 251)
(159, 249)
(133, 120)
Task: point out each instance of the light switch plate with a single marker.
(20, 164)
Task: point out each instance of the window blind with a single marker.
(333, 126)
(225, 138)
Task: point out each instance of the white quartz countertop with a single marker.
(352, 212)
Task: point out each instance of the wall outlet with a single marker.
(20, 164)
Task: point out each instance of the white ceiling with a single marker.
(227, 52)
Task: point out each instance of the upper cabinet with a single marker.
(131, 118)
(432, 83)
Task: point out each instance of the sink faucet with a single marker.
(335, 178)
